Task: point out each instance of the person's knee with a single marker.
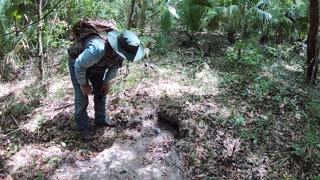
(81, 101)
(79, 97)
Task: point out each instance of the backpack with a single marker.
(87, 27)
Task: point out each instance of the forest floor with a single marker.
(187, 114)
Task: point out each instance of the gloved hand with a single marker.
(86, 89)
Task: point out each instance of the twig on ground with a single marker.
(283, 161)
(94, 147)
(6, 135)
(14, 119)
(64, 106)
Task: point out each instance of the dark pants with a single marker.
(81, 101)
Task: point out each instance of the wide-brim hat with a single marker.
(126, 44)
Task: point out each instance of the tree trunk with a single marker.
(130, 16)
(40, 47)
(312, 53)
(245, 22)
(142, 14)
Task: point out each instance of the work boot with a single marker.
(106, 123)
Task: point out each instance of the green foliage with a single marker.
(239, 121)
(274, 53)
(127, 83)
(249, 52)
(246, 52)
(278, 21)
(166, 21)
(54, 35)
(249, 135)
(75, 10)
(5, 41)
(33, 94)
(16, 47)
(63, 65)
(298, 150)
(262, 87)
(166, 25)
(25, 103)
(257, 133)
(314, 109)
(17, 108)
(194, 12)
(309, 148)
(163, 42)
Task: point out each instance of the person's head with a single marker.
(126, 44)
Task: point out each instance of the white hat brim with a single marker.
(113, 41)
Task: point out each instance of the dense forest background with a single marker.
(227, 89)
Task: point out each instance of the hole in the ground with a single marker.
(171, 121)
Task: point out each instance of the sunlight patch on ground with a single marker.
(208, 81)
(117, 155)
(16, 87)
(173, 89)
(278, 68)
(59, 88)
(32, 156)
(151, 171)
(140, 157)
(49, 110)
(293, 67)
(34, 123)
(176, 84)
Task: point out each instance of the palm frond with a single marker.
(231, 10)
(263, 15)
(13, 58)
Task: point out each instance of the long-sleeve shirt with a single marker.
(94, 50)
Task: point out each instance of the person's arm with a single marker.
(94, 51)
(110, 74)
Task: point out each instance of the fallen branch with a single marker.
(62, 107)
(6, 135)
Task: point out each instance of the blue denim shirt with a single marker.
(94, 51)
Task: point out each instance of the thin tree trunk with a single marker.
(142, 15)
(40, 47)
(245, 22)
(312, 53)
(245, 30)
(130, 20)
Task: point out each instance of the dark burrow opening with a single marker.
(171, 120)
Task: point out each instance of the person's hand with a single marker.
(86, 89)
(105, 89)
